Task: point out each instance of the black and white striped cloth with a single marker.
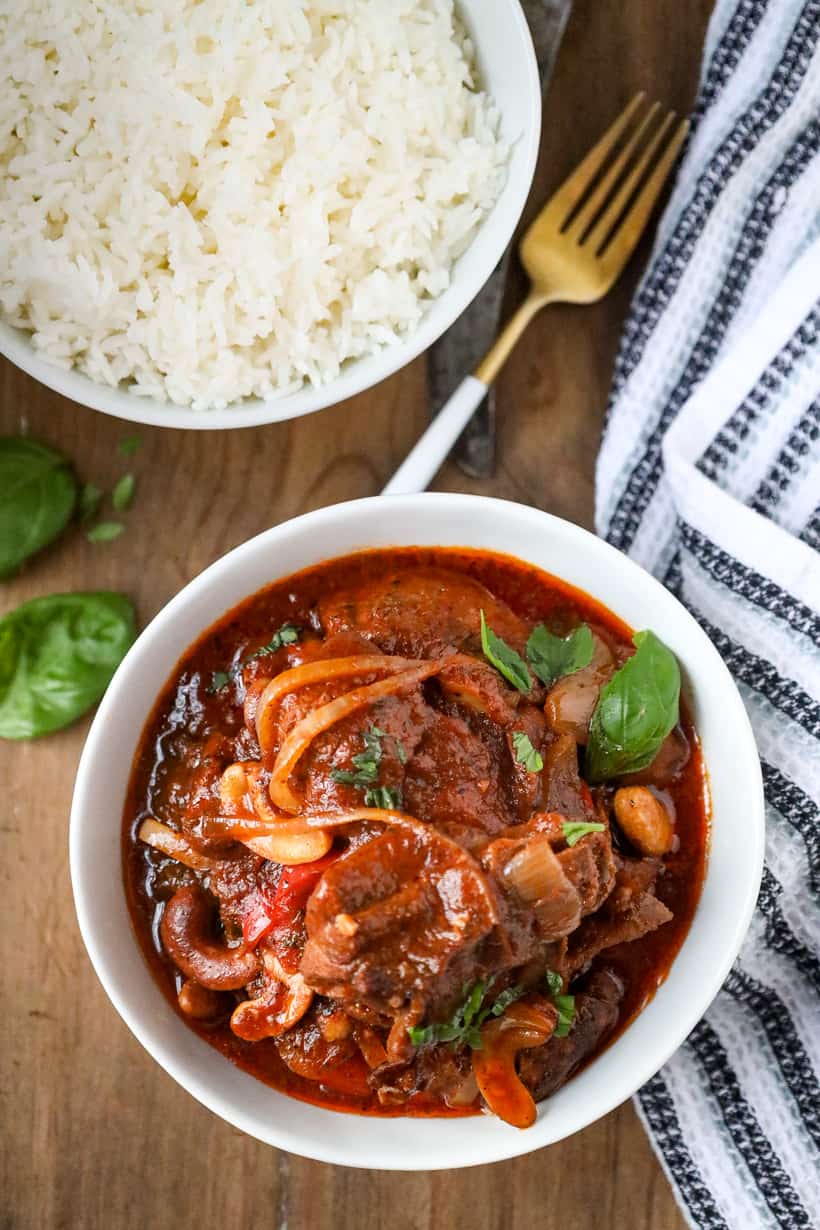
(709, 476)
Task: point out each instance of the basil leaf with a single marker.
(37, 496)
(525, 753)
(551, 657)
(386, 797)
(504, 658)
(506, 998)
(57, 656)
(90, 499)
(636, 710)
(123, 493)
(129, 446)
(574, 830)
(105, 531)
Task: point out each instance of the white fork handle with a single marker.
(426, 458)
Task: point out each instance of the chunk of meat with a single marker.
(453, 781)
(545, 1068)
(439, 1071)
(479, 687)
(564, 791)
(590, 868)
(622, 924)
(421, 612)
(397, 920)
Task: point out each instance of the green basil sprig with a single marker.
(551, 657)
(636, 710)
(37, 496)
(504, 658)
(57, 656)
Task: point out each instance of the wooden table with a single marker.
(94, 1133)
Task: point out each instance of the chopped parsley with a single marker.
(386, 797)
(288, 634)
(563, 1004)
(463, 1028)
(503, 657)
(525, 753)
(574, 830)
(366, 764)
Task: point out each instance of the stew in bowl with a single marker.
(417, 831)
(453, 825)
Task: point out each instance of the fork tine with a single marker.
(564, 200)
(592, 206)
(623, 241)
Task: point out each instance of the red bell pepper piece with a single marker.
(266, 912)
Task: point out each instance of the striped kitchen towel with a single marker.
(709, 476)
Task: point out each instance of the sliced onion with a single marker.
(291, 850)
(535, 872)
(321, 719)
(522, 1026)
(320, 671)
(162, 838)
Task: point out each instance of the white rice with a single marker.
(215, 199)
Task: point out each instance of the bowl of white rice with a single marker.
(220, 213)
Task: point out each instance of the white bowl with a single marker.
(509, 72)
(729, 891)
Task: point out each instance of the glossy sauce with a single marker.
(187, 713)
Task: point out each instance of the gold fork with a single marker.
(573, 252)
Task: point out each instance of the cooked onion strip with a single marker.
(309, 673)
(535, 872)
(522, 1026)
(321, 719)
(164, 839)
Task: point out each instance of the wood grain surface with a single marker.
(94, 1134)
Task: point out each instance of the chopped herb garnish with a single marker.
(123, 493)
(574, 830)
(564, 1004)
(286, 635)
(551, 657)
(219, 680)
(554, 981)
(400, 752)
(90, 499)
(105, 531)
(525, 753)
(129, 446)
(366, 764)
(463, 1029)
(386, 797)
(504, 658)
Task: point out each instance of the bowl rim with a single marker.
(361, 374)
(330, 1148)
